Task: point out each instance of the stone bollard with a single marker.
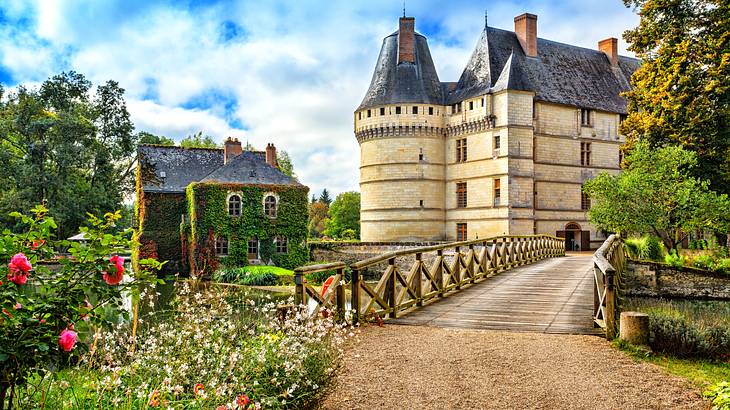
(635, 328)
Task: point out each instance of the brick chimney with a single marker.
(407, 40)
(609, 47)
(231, 149)
(526, 31)
(271, 155)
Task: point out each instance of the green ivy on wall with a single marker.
(208, 211)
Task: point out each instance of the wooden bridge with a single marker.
(522, 283)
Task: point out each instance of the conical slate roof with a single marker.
(405, 82)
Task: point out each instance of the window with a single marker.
(620, 157)
(497, 143)
(585, 153)
(585, 201)
(221, 246)
(585, 116)
(461, 232)
(234, 205)
(281, 244)
(270, 206)
(253, 248)
(397, 110)
(368, 113)
(471, 105)
(420, 203)
(534, 109)
(461, 195)
(420, 154)
(497, 191)
(414, 110)
(382, 110)
(622, 118)
(430, 110)
(461, 150)
(359, 115)
(482, 101)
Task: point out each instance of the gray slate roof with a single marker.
(561, 73)
(172, 169)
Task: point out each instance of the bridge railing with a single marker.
(609, 262)
(412, 277)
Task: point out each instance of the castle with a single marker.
(505, 150)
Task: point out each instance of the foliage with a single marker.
(285, 164)
(719, 395)
(254, 275)
(656, 194)
(78, 296)
(325, 198)
(152, 139)
(674, 259)
(214, 346)
(209, 218)
(317, 218)
(645, 248)
(159, 228)
(61, 144)
(344, 214)
(681, 91)
(198, 140)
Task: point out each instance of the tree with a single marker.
(344, 215)
(62, 145)
(317, 219)
(149, 138)
(325, 197)
(656, 193)
(285, 164)
(198, 140)
(681, 91)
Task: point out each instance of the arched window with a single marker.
(270, 206)
(281, 244)
(234, 205)
(221, 246)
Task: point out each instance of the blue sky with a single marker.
(287, 72)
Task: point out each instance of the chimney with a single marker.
(526, 31)
(609, 47)
(407, 40)
(271, 155)
(231, 149)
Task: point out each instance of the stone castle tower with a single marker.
(502, 151)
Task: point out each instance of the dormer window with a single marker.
(397, 110)
(270, 205)
(585, 116)
(234, 205)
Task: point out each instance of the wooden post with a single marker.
(300, 294)
(484, 259)
(419, 280)
(457, 271)
(340, 295)
(596, 295)
(439, 274)
(610, 306)
(390, 289)
(355, 297)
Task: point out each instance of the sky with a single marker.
(286, 72)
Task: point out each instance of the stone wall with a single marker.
(658, 280)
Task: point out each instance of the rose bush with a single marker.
(51, 305)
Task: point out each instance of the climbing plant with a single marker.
(208, 211)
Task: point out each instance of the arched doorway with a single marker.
(575, 238)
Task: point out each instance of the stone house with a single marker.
(505, 150)
(198, 208)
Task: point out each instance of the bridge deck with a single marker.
(551, 296)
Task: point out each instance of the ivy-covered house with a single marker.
(198, 208)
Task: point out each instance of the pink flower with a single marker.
(18, 278)
(18, 306)
(118, 263)
(19, 263)
(242, 400)
(67, 340)
(114, 278)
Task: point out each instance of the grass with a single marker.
(703, 312)
(700, 373)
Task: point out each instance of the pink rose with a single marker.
(18, 306)
(67, 340)
(19, 263)
(114, 278)
(118, 263)
(18, 278)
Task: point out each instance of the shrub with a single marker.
(675, 260)
(259, 279)
(654, 248)
(719, 395)
(673, 334)
(723, 265)
(254, 275)
(645, 248)
(706, 262)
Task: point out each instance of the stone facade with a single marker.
(650, 279)
(412, 161)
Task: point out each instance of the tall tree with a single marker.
(317, 219)
(681, 91)
(149, 138)
(657, 194)
(198, 140)
(283, 160)
(325, 197)
(68, 145)
(344, 216)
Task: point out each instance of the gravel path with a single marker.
(418, 367)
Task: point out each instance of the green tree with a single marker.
(152, 139)
(325, 197)
(681, 91)
(283, 160)
(68, 147)
(198, 140)
(656, 193)
(317, 219)
(344, 215)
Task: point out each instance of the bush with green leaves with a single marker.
(254, 275)
(674, 334)
(719, 396)
(674, 259)
(48, 315)
(645, 248)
